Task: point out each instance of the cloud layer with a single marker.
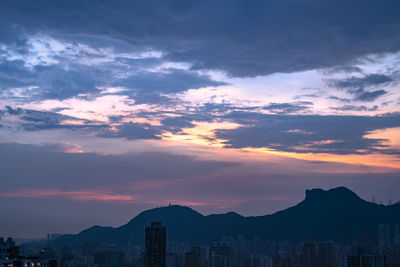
(119, 106)
(240, 37)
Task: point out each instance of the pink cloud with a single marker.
(94, 195)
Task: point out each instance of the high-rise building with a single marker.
(365, 261)
(192, 259)
(327, 255)
(260, 260)
(109, 258)
(8, 249)
(155, 239)
(172, 260)
(309, 255)
(384, 237)
(220, 256)
(396, 234)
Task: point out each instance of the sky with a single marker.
(108, 108)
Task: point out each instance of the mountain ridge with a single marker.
(335, 214)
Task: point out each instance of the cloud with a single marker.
(369, 96)
(99, 195)
(355, 108)
(285, 108)
(356, 86)
(46, 68)
(308, 133)
(35, 120)
(342, 69)
(132, 131)
(50, 167)
(176, 124)
(150, 87)
(49, 82)
(366, 81)
(240, 37)
(169, 81)
(340, 99)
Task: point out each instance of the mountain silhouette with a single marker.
(337, 214)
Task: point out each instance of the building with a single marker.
(260, 260)
(309, 255)
(192, 259)
(155, 243)
(8, 249)
(384, 237)
(365, 261)
(327, 256)
(220, 256)
(172, 260)
(396, 234)
(109, 258)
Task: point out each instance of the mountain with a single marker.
(337, 214)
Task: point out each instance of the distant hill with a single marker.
(337, 214)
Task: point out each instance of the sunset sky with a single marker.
(108, 108)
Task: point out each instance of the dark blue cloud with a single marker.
(148, 87)
(153, 98)
(355, 108)
(244, 38)
(50, 82)
(172, 81)
(55, 83)
(356, 86)
(34, 120)
(68, 78)
(340, 99)
(369, 96)
(343, 69)
(304, 133)
(132, 131)
(361, 82)
(13, 74)
(285, 108)
(283, 132)
(176, 124)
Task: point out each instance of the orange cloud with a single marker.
(391, 137)
(72, 195)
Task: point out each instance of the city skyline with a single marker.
(110, 108)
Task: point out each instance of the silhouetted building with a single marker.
(8, 249)
(384, 238)
(51, 237)
(327, 255)
(309, 255)
(192, 259)
(47, 253)
(284, 261)
(260, 260)
(28, 262)
(220, 256)
(172, 260)
(396, 255)
(109, 258)
(365, 261)
(155, 242)
(396, 234)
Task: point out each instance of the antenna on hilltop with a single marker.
(373, 199)
(390, 201)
